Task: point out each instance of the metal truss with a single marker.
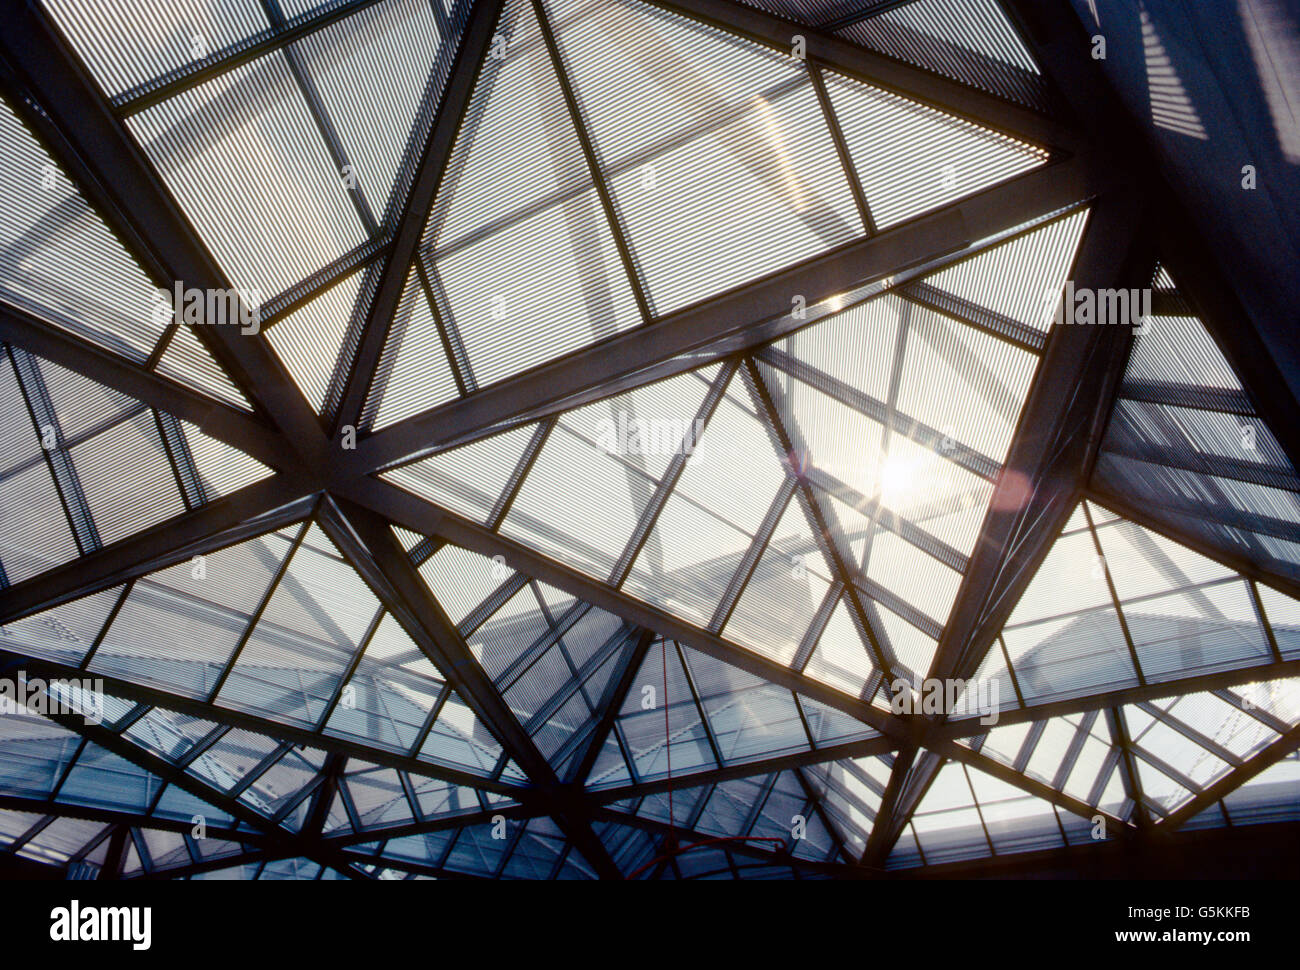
(1047, 470)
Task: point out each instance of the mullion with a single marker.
(280, 573)
(41, 409)
(630, 267)
(841, 147)
(668, 482)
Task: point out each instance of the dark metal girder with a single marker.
(741, 319)
(255, 509)
(409, 222)
(845, 57)
(215, 419)
(49, 86)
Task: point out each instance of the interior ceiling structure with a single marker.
(401, 581)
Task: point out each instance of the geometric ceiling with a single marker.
(624, 411)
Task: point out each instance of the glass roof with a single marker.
(643, 418)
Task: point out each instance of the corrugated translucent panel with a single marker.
(1186, 500)
(63, 633)
(847, 797)
(58, 259)
(305, 639)
(1160, 791)
(459, 739)
(1015, 821)
(34, 531)
(840, 441)
(413, 373)
(501, 167)
(648, 426)
(1225, 723)
(650, 739)
(128, 47)
(965, 384)
(62, 839)
(377, 795)
(468, 479)
(371, 70)
(506, 321)
(186, 360)
(1072, 555)
(509, 633)
(967, 40)
(179, 626)
(946, 500)
(1021, 278)
(460, 580)
(912, 158)
(1170, 747)
(585, 528)
(1179, 350)
(735, 438)
(391, 692)
(277, 785)
(81, 405)
(295, 216)
(1283, 614)
(222, 468)
(855, 346)
(101, 779)
(126, 477)
(919, 580)
(1210, 629)
(1189, 434)
(687, 561)
(34, 753)
(841, 659)
(1142, 562)
(750, 719)
(169, 734)
(735, 173)
(947, 822)
(913, 647)
(1271, 796)
(308, 339)
(782, 595)
(1067, 657)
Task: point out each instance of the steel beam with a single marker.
(843, 56)
(410, 220)
(47, 84)
(738, 320)
(253, 510)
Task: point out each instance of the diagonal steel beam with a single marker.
(369, 544)
(409, 222)
(47, 84)
(741, 319)
(257, 508)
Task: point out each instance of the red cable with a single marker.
(668, 744)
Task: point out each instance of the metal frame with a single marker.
(1051, 459)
